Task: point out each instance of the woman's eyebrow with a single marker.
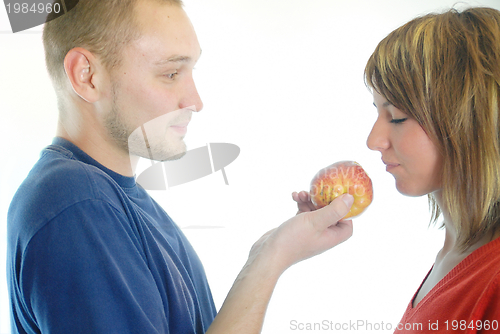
(385, 104)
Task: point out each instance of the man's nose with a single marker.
(191, 97)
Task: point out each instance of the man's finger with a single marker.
(333, 212)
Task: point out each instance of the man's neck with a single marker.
(100, 148)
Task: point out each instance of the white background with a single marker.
(283, 80)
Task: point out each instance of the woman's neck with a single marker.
(451, 247)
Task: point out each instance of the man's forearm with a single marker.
(299, 238)
(245, 306)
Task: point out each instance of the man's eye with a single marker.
(171, 76)
(398, 120)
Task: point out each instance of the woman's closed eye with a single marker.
(398, 120)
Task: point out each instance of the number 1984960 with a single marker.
(39, 8)
(474, 325)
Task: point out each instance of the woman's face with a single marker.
(407, 151)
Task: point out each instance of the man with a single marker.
(88, 250)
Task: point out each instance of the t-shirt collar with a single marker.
(123, 181)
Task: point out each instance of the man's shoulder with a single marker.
(58, 175)
(55, 183)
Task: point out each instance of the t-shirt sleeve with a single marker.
(85, 272)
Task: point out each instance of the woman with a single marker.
(436, 87)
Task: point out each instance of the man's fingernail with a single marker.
(348, 199)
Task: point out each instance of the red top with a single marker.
(466, 300)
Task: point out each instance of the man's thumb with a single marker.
(348, 200)
(333, 212)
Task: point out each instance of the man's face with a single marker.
(153, 93)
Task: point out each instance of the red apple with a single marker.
(340, 178)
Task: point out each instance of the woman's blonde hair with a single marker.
(103, 27)
(444, 71)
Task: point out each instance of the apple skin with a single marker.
(340, 178)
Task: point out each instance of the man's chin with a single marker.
(175, 157)
(159, 155)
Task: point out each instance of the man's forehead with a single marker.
(155, 16)
(167, 35)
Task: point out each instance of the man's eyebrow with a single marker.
(174, 59)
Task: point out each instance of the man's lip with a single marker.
(180, 128)
(181, 125)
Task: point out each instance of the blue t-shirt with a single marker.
(89, 251)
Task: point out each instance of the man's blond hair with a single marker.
(102, 27)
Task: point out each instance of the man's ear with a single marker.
(80, 66)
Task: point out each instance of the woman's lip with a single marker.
(390, 165)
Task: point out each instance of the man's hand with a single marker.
(309, 233)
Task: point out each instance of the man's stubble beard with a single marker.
(135, 141)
